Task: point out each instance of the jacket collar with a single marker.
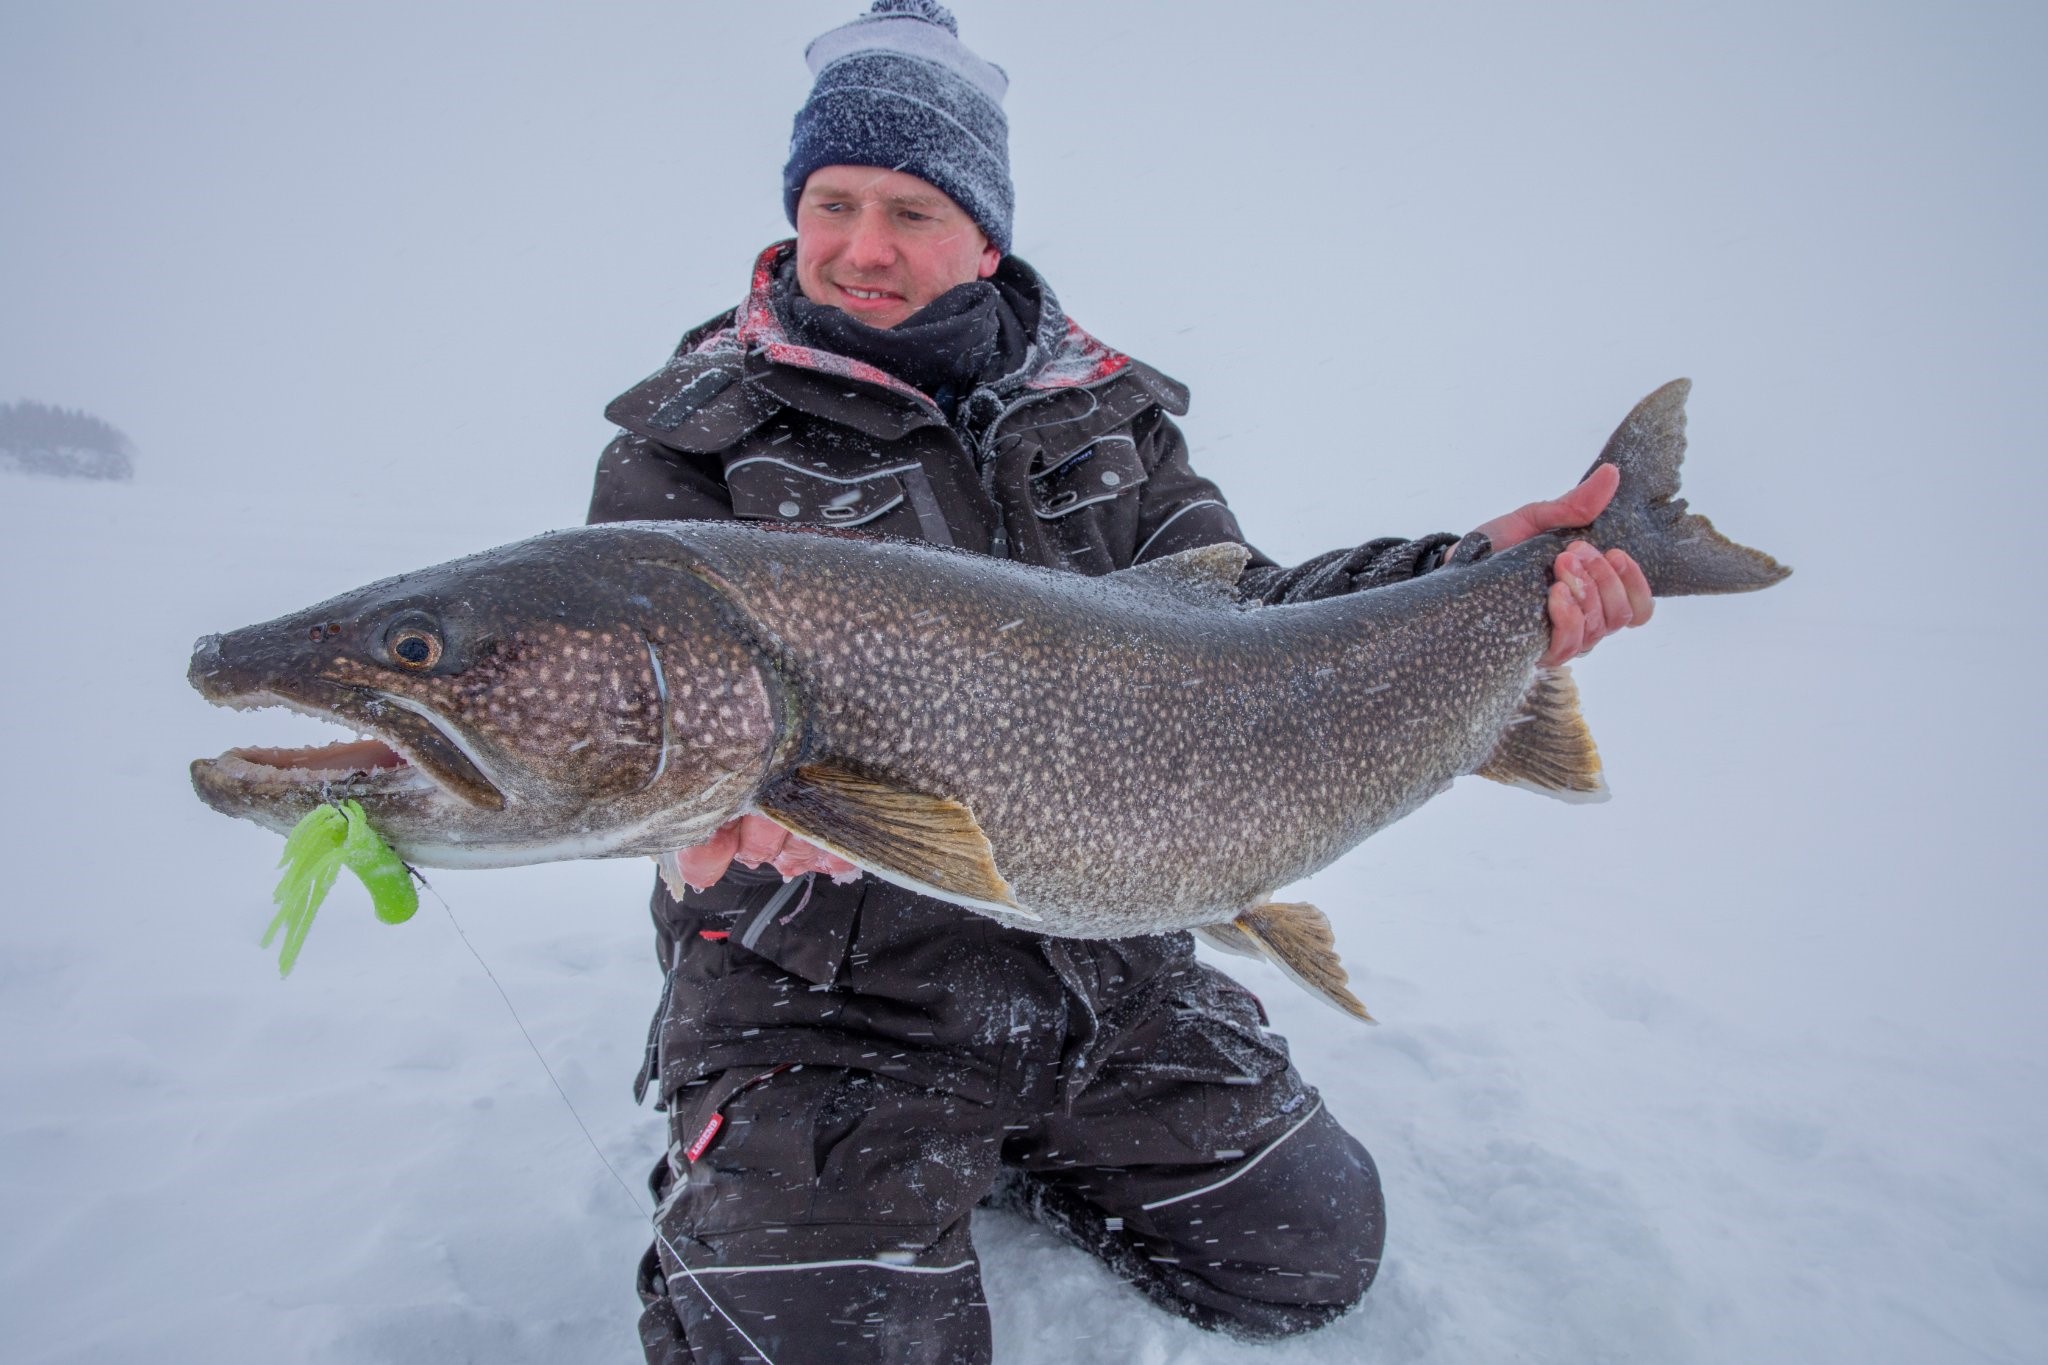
(1062, 354)
(697, 401)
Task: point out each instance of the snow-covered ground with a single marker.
(1743, 1065)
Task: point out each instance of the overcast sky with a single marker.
(1423, 255)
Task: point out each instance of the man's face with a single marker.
(882, 244)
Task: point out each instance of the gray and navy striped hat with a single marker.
(896, 88)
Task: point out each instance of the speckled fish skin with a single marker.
(582, 702)
(1141, 751)
(1139, 758)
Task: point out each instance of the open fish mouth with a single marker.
(346, 768)
(405, 752)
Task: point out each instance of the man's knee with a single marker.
(1281, 1242)
(1339, 1208)
(1304, 1229)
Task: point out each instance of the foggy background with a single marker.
(1742, 1065)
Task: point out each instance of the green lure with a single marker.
(330, 838)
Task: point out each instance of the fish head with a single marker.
(580, 694)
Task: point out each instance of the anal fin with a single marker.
(1299, 941)
(1547, 747)
(930, 843)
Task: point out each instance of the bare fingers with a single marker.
(761, 840)
(702, 866)
(1640, 599)
(799, 857)
(1579, 507)
(752, 840)
(1595, 595)
(1608, 608)
(1567, 622)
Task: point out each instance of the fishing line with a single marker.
(570, 1104)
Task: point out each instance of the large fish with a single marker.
(1088, 757)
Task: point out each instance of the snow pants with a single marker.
(825, 1162)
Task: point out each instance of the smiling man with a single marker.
(850, 1068)
(880, 245)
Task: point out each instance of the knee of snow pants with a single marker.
(817, 1213)
(1279, 1241)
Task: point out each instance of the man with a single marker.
(850, 1068)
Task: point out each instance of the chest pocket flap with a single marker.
(769, 488)
(1102, 471)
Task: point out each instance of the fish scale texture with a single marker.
(1314, 724)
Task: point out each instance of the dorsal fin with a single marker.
(1207, 573)
(929, 843)
(1547, 747)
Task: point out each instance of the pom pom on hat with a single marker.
(931, 11)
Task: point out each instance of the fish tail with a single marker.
(1680, 552)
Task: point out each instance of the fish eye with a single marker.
(415, 647)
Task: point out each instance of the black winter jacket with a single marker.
(1081, 467)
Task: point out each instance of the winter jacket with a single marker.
(1083, 469)
(847, 1068)
(1079, 467)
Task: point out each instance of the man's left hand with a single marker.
(751, 840)
(1595, 594)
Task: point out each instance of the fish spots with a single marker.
(1054, 703)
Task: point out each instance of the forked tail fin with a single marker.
(1681, 552)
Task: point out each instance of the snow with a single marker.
(1742, 1065)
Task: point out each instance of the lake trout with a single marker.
(1088, 757)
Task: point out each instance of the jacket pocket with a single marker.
(1107, 469)
(770, 488)
(802, 926)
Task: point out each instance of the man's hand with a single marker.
(1595, 594)
(751, 841)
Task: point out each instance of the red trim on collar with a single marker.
(1080, 361)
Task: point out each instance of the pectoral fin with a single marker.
(930, 843)
(1299, 941)
(1547, 747)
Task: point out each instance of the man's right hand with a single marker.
(750, 841)
(1594, 595)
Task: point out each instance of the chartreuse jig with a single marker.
(328, 839)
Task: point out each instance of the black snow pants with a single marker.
(849, 1071)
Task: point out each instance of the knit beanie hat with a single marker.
(897, 89)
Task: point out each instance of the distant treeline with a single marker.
(38, 439)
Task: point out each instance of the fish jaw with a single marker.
(556, 699)
(409, 774)
(240, 673)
